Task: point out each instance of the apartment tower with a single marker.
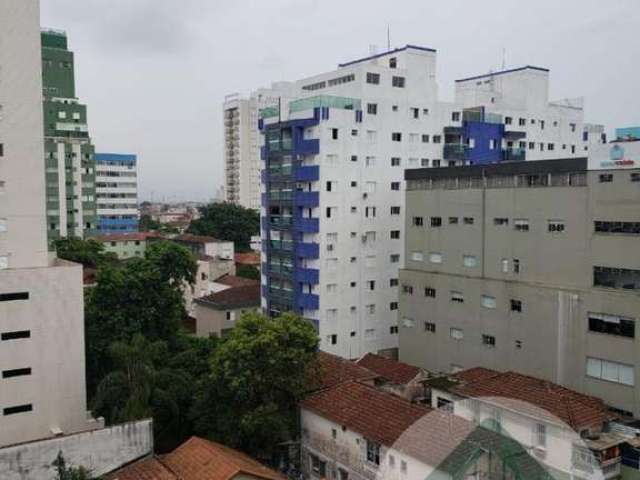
(116, 193)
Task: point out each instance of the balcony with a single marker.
(280, 221)
(514, 135)
(283, 245)
(280, 195)
(307, 275)
(306, 225)
(513, 155)
(306, 199)
(307, 174)
(308, 250)
(280, 294)
(308, 301)
(278, 268)
(308, 147)
(455, 151)
(280, 170)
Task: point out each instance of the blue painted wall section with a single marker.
(284, 151)
(483, 133)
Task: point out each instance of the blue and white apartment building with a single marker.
(334, 148)
(117, 193)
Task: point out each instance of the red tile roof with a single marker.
(120, 237)
(249, 258)
(537, 397)
(376, 415)
(397, 372)
(190, 238)
(197, 459)
(234, 297)
(335, 370)
(474, 374)
(233, 281)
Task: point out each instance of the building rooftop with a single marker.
(248, 258)
(231, 298)
(233, 281)
(190, 238)
(533, 396)
(197, 459)
(120, 237)
(335, 370)
(503, 72)
(396, 372)
(389, 52)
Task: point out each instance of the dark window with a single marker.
(453, 220)
(396, 137)
(393, 330)
(436, 221)
(1, 150)
(500, 221)
(627, 228)
(488, 340)
(354, 158)
(373, 452)
(429, 327)
(318, 467)
(328, 212)
(395, 185)
(328, 186)
(612, 325)
(516, 305)
(445, 404)
(635, 177)
(16, 372)
(395, 210)
(393, 282)
(393, 306)
(395, 234)
(621, 278)
(516, 265)
(393, 62)
(333, 339)
(418, 221)
(373, 78)
(430, 292)
(437, 139)
(425, 138)
(508, 120)
(8, 297)
(455, 116)
(522, 122)
(468, 220)
(372, 108)
(15, 335)
(397, 82)
(334, 133)
(18, 409)
(415, 112)
(606, 178)
(395, 161)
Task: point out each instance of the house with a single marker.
(354, 430)
(197, 459)
(565, 430)
(395, 376)
(217, 313)
(334, 370)
(126, 245)
(204, 245)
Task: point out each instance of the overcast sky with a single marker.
(154, 72)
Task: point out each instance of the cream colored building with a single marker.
(217, 313)
(42, 387)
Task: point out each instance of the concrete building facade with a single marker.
(334, 151)
(42, 389)
(68, 152)
(527, 266)
(116, 193)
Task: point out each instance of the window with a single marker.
(435, 257)
(394, 108)
(373, 452)
(501, 221)
(457, 297)
(17, 409)
(550, 146)
(508, 120)
(556, 226)
(395, 161)
(354, 132)
(393, 282)
(532, 145)
(354, 158)
(455, 116)
(453, 220)
(16, 335)
(612, 325)
(469, 261)
(417, 257)
(373, 78)
(516, 265)
(393, 62)
(395, 210)
(9, 297)
(634, 177)
(418, 221)
(372, 108)
(437, 139)
(317, 466)
(445, 404)
(228, 315)
(415, 112)
(371, 284)
(370, 161)
(430, 327)
(436, 221)
(606, 178)
(332, 287)
(394, 258)
(541, 435)
(393, 306)
(397, 82)
(425, 138)
(468, 220)
(456, 333)
(354, 184)
(521, 225)
(393, 330)
(352, 284)
(395, 234)
(487, 301)
(331, 211)
(518, 344)
(430, 292)
(522, 122)
(610, 371)
(370, 212)
(488, 340)
(329, 186)
(435, 163)
(396, 136)
(407, 289)
(403, 466)
(395, 185)
(630, 228)
(424, 162)
(16, 372)
(333, 339)
(334, 133)
(516, 305)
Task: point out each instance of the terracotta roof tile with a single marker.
(190, 238)
(474, 374)
(119, 237)
(397, 372)
(377, 415)
(248, 258)
(233, 281)
(234, 297)
(146, 469)
(335, 370)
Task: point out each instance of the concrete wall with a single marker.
(210, 321)
(101, 451)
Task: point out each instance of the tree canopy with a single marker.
(229, 222)
(90, 253)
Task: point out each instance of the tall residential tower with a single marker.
(117, 193)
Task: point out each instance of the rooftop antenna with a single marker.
(388, 39)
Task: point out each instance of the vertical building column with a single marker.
(62, 190)
(76, 162)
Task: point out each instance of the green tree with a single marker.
(227, 221)
(175, 262)
(142, 385)
(259, 372)
(89, 253)
(248, 271)
(64, 472)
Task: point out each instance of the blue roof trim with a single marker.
(396, 50)
(531, 67)
(115, 157)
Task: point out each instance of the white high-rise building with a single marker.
(334, 153)
(117, 193)
(42, 358)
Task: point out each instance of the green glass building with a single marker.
(69, 154)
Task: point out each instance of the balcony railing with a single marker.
(455, 151)
(282, 294)
(280, 268)
(514, 154)
(278, 170)
(281, 220)
(286, 245)
(281, 195)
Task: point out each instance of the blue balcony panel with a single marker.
(308, 250)
(308, 147)
(306, 225)
(307, 275)
(309, 173)
(308, 301)
(306, 199)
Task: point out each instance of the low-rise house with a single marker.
(565, 430)
(126, 245)
(204, 245)
(217, 313)
(396, 377)
(197, 459)
(334, 370)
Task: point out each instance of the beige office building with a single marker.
(528, 266)
(42, 381)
